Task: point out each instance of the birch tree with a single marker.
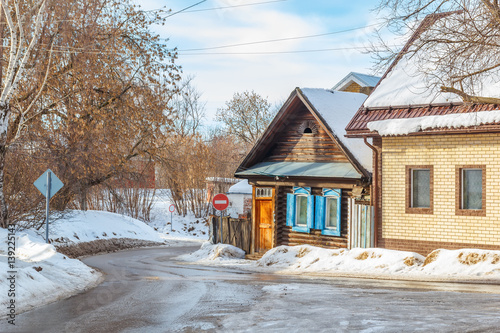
(458, 46)
(24, 26)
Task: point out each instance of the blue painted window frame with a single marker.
(320, 218)
(291, 209)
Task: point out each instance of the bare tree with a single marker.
(24, 26)
(246, 116)
(457, 45)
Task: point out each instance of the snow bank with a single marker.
(313, 259)
(413, 125)
(42, 274)
(465, 262)
(85, 226)
(210, 252)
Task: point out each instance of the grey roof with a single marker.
(364, 80)
(304, 169)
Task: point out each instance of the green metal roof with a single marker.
(302, 169)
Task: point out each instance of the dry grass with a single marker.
(472, 258)
(302, 253)
(410, 261)
(496, 259)
(431, 257)
(363, 256)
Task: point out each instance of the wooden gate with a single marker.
(236, 232)
(362, 225)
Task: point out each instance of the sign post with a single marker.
(48, 184)
(220, 203)
(171, 209)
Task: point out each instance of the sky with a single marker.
(271, 69)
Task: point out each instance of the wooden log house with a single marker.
(310, 184)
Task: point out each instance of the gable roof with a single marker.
(403, 93)
(332, 110)
(364, 80)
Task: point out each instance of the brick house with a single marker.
(436, 162)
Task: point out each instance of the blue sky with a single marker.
(271, 69)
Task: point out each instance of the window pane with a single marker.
(301, 210)
(421, 188)
(331, 213)
(472, 189)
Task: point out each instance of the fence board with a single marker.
(236, 232)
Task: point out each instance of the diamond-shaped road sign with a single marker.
(55, 183)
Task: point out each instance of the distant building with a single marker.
(358, 83)
(240, 200)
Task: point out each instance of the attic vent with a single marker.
(307, 127)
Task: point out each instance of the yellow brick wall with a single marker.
(444, 152)
(353, 87)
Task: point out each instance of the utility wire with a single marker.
(183, 10)
(281, 39)
(226, 7)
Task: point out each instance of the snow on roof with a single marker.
(364, 80)
(413, 125)
(241, 187)
(414, 79)
(337, 108)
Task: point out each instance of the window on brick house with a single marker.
(470, 190)
(419, 189)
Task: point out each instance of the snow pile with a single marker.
(210, 252)
(85, 226)
(413, 125)
(313, 259)
(42, 274)
(465, 262)
(240, 188)
(337, 109)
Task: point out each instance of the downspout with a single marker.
(375, 186)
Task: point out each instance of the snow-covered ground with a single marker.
(186, 227)
(460, 265)
(39, 274)
(85, 226)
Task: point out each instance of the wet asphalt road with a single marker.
(146, 290)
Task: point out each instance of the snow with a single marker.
(464, 264)
(186, 227)
(337, 109)
(413, 125)
(214, 252)
(414, 79)
(241, 187)
(42, 274)
(85, 226)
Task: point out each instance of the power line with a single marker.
(225, 7)
(275, 52)
(281, 39)
(183, 10)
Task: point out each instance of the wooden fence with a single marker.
(236, 232)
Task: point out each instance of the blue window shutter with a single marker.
(339, 210)
(310, 212)
(290, 210)
(320, 212)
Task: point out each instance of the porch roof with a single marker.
(302, 169)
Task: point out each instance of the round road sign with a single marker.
(220, 201)
(171, 208)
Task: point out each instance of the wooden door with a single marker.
(264, 222)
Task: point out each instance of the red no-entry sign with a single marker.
(220, 201)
